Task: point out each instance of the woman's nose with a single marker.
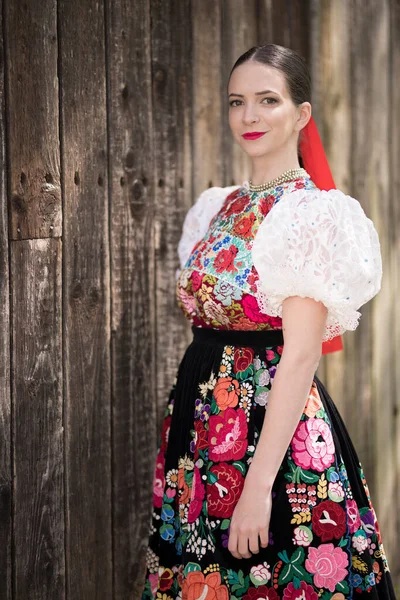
(250, 115)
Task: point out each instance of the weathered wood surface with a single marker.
(132, 187)
(38, 559)
(33, 146)
(6, 483)
(37, 424)
(391, 368)
(86, 302)
(171, 53)
(113, 118)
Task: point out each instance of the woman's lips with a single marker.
(254, 135)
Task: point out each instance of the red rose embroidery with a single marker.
(243, 357)
(224, 261)
(252, 310)
(200, 438)
(243, 226)
(329, 520)
(227, 435)
(251, 280)
(305, 591)
(223, 495)
(166, 579)
(262, 592)
(266, 204)
(300, 185)
(197, 279)
(237, 206)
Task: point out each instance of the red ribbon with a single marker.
(316, 165)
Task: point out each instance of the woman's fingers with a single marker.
(264, 537)
(253, 543)
(233, 543)
(243, 545)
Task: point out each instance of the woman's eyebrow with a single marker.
(257, 93)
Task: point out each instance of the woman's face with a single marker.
(272, 111)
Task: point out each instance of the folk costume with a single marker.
(242, 252)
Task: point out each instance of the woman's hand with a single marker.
(250, 519)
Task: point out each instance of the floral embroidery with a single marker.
(332, 545)
(217, 286)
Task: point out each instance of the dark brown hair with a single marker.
(289, 62)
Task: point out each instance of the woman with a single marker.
(258, 491)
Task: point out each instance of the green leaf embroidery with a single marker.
(225, 524)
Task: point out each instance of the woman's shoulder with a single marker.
(319, 244)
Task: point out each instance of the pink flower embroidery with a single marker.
(261, 573)
(188, 302)
(354, 515)
(302, 535)
(309, 451)
(328, 565)
(227, 435)
(197, 496)
(159, 480)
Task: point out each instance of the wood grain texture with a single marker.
(5, 397)
(208, 126)
(370, 164)
(394, 82)
(171, 100)
(38, 495)
(86, 300)
(31, 46)
(240, 17)
(132, 186)
(285, 22)
(331, 107)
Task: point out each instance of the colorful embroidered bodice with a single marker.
(217, 285)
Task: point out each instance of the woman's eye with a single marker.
(270, 101)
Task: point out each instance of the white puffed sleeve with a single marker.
(318, 244)
(198, 219)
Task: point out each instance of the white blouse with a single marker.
(312, 243)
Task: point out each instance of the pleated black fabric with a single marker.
(325, 541)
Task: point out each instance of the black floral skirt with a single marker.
(324, 538)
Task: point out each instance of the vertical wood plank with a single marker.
(86, 293)
(5, 400)
(132, 188)
(171, 80)
(208, 127)
(394, 78)
(35, 212)
(370, 163)
(35, 209)
(345, 372)
(37, 419)
(240, 18)
(286, 23)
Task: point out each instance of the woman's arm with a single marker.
(303, 324)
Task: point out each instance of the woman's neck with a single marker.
(266, 170)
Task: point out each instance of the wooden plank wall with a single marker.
(113, 118)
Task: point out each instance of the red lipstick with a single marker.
(253, 135)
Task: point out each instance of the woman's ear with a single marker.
(304, 115)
